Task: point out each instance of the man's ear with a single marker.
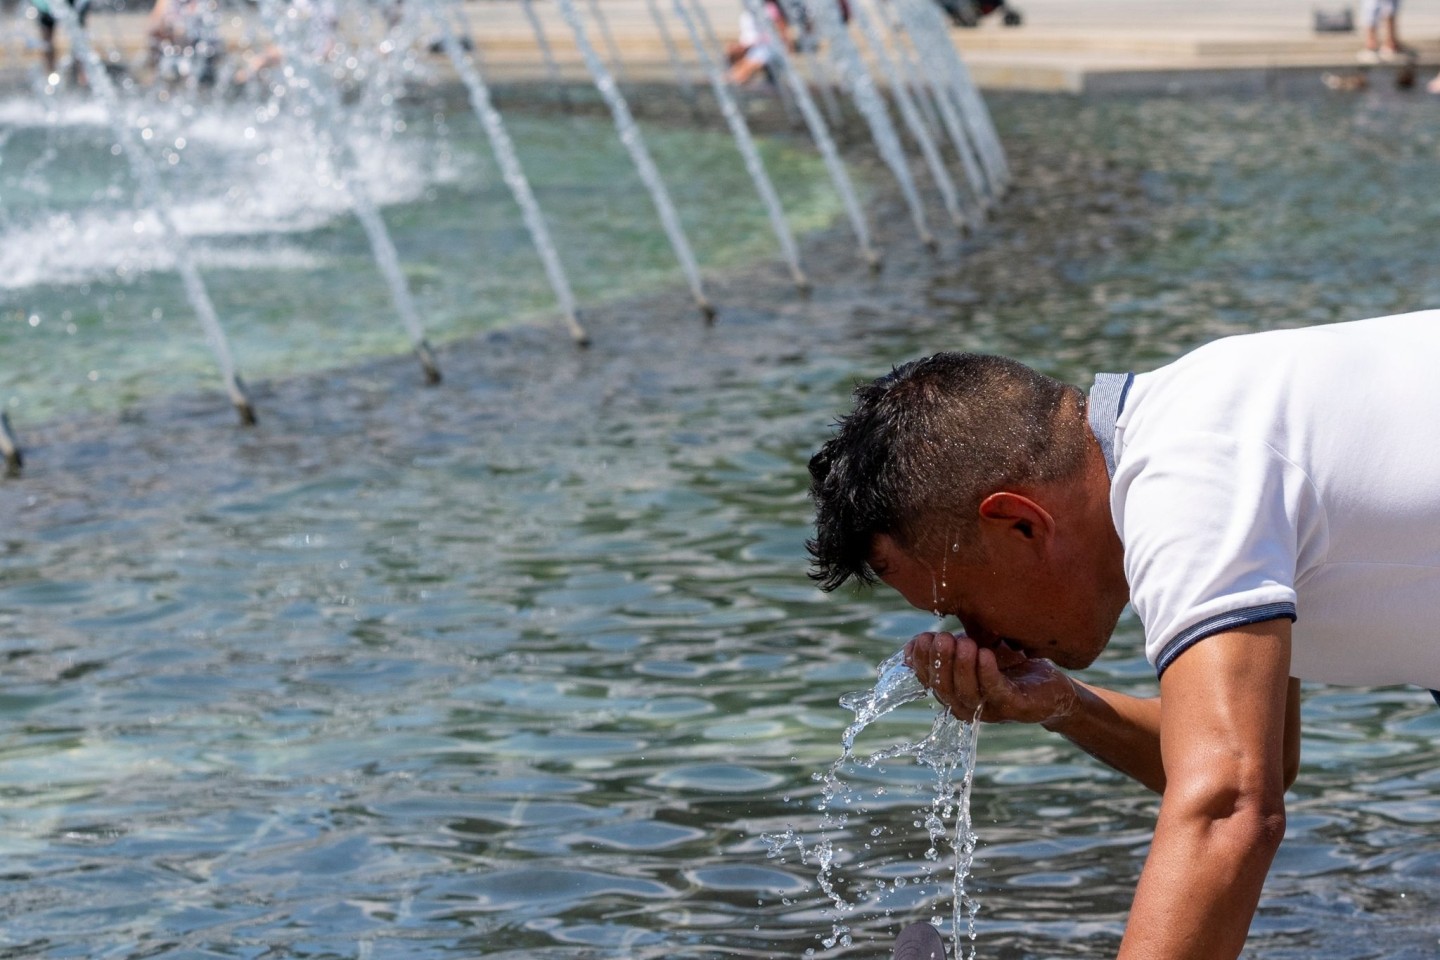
(1017, 515)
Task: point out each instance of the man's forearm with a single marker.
(1120, 731)
(1202, 879)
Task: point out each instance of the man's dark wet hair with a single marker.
(925, 445)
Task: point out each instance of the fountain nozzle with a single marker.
(10, 448)
(240, 399)
(427, 361)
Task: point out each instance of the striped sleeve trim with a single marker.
(1217, 624)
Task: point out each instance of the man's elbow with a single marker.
(1266, 826)
(1248, 818)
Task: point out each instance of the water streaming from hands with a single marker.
(949, 751)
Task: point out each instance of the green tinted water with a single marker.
(87, 323)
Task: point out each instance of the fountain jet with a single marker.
(682, 76)
(617, 65)
(931, 79)
(862, 89)
(746, 143)
(819, 132)
(144, 169)
(900, 90)
(925, 26)
(513, 172)
(339, 155)
(640, 155)
(543, 43)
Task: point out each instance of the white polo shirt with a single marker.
(1293, 473)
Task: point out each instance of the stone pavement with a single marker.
(1158, 45)
(1078, 46)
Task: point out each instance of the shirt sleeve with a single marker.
(1212, 529)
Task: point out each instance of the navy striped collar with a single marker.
(1107, 399)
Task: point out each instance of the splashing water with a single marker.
(948, 750)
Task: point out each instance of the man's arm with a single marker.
(1123, 732)
(1119, 730)
(1223, 725)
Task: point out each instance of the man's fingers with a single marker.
(950, 667)
(995, 690)
(919, 653)
(958, 686)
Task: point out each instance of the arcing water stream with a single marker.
(949, 751)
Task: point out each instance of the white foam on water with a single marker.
(64, 249)
(266, 183)
(32, 111)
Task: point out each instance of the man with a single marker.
(1268, 504)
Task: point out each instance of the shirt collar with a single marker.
(1107, 399)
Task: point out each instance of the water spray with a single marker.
(904, 101)
(617, 65)
(143, 168)
(746, 143)
(877, 116)
(682, 76)
(513, 172)
(543, 43)
(339, 155)
(941, 97)
(819, 132)
(925, 25)
(634, 143)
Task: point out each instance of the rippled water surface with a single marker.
(525, 665)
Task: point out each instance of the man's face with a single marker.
(1024, 599)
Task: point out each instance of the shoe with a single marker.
(1400, 54)
(1434, 85)
(1368, 55)
(919, 941)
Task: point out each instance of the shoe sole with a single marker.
(919, 941)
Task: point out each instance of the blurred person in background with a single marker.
(46, 19)
(1382, 16)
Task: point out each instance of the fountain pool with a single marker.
(526, 665)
